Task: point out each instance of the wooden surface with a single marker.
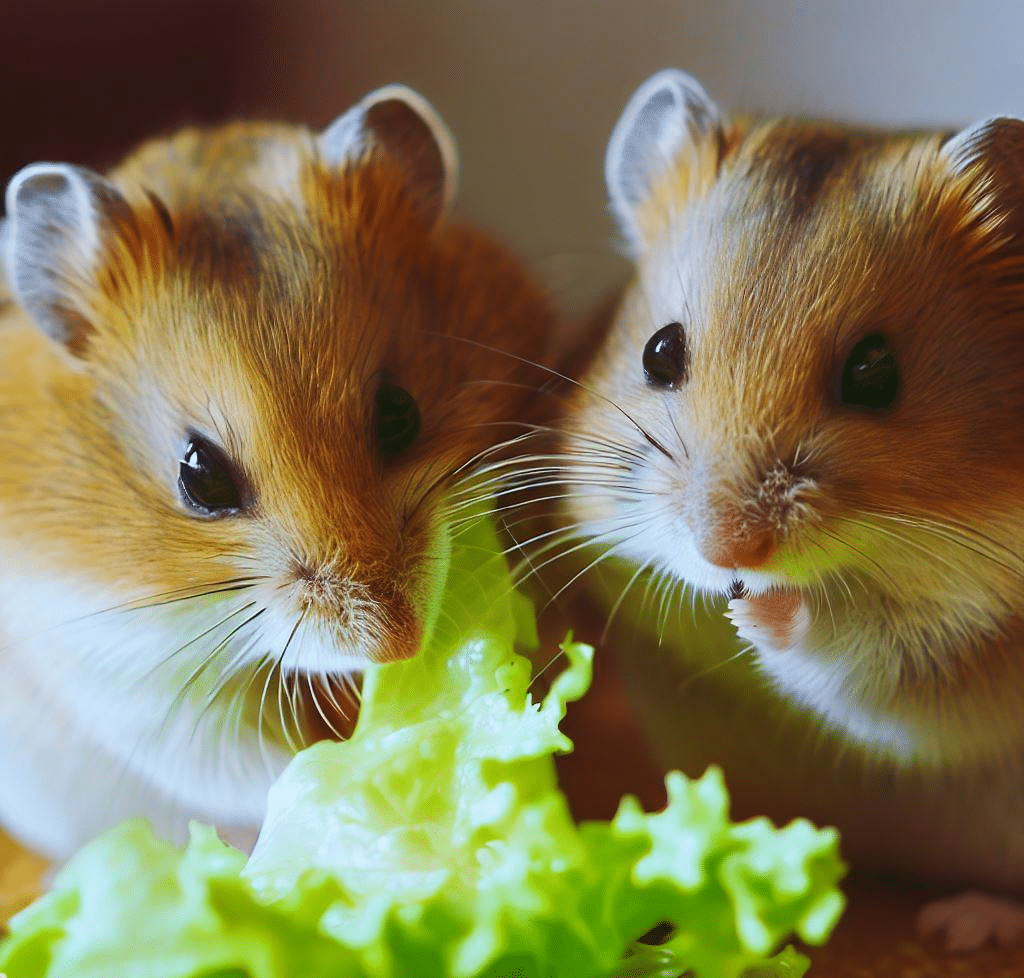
(21, 875)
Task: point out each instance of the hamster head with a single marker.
(815, 383)
(266, 390)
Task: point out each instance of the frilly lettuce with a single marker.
(435, 844)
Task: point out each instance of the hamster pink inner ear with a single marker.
(58, 219)
(400, 123)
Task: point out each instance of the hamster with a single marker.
(809, 410)
(240, 380)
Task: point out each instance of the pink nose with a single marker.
(746, 552)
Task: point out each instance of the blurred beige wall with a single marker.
(531, 88)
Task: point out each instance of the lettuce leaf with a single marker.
(435, 844)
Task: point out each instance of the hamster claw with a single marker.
(971, 920)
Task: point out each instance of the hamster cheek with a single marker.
(777, 620)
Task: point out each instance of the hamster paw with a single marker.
(971, 920)
(776, 620)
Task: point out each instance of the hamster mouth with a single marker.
(736, 589)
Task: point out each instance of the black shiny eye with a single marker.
(666, 358)
(871, 375)
(206, 479)
(397, 419)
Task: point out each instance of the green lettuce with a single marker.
(435, 844)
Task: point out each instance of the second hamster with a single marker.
(813, 393)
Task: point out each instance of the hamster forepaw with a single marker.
(776, 620)
(971, 920)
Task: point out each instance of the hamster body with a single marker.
(814, 393)
(238, 377)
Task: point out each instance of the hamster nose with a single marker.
(745, 552)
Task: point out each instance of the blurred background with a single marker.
(531, 88)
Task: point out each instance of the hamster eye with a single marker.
(666, 357)
(206, 480)
(871, 376)
(397, 419)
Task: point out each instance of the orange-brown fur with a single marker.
(256, 293)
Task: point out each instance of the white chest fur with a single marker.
(94, 726)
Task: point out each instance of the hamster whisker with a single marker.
(470, 520)
(556, 655)
(832, 575)
(505, 487)
(242, 609)
(451, 478)
(556, 538)
(294, 686)
(599, 559)
(908, 540)
(882, 575)
(665, 581)
(589, 390)
(651, 582)
(235, 710)
(193, 677)
(349, 687)
(556, 462)
(622, 597)
(280, 683)
(517, 385)
(565, 533)
(354, 691)
(597, 541)
(172, 597)
(613, 448)
(268, 664)
(236, 704)
(605, 448)
(665, 604)
(961, 535)
(704, 673)
(320, 710)
(601, 441)
(675, 427)
(526, 557)
(504, 507)
(596, 469)
(185, 688)
(493, 449)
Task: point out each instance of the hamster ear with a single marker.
(992, 151)
(402, 124)
(59, 218)
(998, 139)
(668, 113)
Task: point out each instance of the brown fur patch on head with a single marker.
(799, 161)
